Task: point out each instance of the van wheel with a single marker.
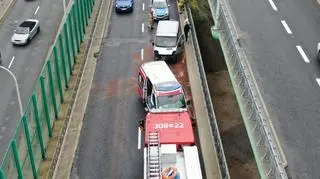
(38, 30)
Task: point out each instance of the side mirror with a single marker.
(152, 42)
(146, 109)
(188, 102)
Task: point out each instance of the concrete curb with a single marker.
(71, 139)
(6, 10)
(209, 155)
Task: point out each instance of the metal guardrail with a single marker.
(267, 154)
(214, 126)
(27, 147)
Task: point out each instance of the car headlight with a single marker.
(130, 5)
(117, 5)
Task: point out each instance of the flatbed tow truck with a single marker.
(170, 151)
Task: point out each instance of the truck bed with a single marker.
(29, 24)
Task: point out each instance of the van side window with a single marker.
(140, 81)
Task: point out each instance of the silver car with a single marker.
(25, 32)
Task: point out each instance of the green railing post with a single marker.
(53, 94)
(89, 7)
(86, 8)
(29, 144)
(2, 174)
(76, 24)
(82, 17)
(64, 68)
(56, 60)
(45, 104)
(72, 38)
(79, 20)
(38, 125)
(16, 158)
(66, 37)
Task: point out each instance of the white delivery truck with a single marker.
(169, 41)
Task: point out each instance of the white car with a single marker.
(25, 32)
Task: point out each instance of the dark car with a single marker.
(124, 6)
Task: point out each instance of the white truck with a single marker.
(25, 32)
(170, 151)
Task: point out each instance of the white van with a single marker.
(169, 41)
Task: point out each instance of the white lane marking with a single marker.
(142, 54)
(142, 6)
(37, 10)
(11, 62)
(139, 138)
(318, 81)
(304, 56)
(274, 7)
(285, 25)
(142, 27)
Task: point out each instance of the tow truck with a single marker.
(170, 151)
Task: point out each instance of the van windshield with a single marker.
(172, 101)
(163, 41)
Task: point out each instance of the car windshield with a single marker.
(172, 101)
(22, 30)
(160, 4)
(162, 41)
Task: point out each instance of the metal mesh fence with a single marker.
(26, 149)
(265, 149)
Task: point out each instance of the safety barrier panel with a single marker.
(27, 148)
(267, 153)
(214, 126)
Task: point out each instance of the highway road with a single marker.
(108, 145)
(25, 62)
(280, 39)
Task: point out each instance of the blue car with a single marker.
(160, 9)
(124, 6)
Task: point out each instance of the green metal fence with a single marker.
(27, 148)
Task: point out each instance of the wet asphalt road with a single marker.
(27, 62)
(108, 145)
(286, 80)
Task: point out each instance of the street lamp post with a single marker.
(17, 88)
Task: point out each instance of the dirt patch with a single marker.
(235, 140)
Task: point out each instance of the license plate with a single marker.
(123, 9)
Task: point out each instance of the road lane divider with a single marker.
(303, 54)
(11, 62)
(139, 138)
(286, 27)
(35, 12)
(142, 6)
(142, 54)
(142, 27)
(273, 5)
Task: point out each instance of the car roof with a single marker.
(161, 76)
(167, 28)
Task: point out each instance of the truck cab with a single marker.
(169, 41)
(158, 87)
(170, 148)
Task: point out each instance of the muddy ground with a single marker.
(239, 155)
